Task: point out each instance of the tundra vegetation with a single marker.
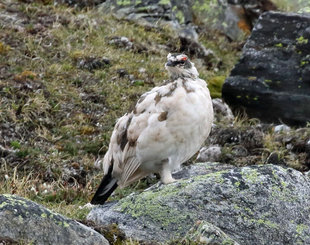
(63, 84)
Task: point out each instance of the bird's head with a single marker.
(179, 65)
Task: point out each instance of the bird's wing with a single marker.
(118, 149)
(122, 148)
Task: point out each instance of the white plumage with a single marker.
(167, 127)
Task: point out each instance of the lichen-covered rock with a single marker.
(222, 112)
(271, 80)
(149, 12)
(206, 233)
(264, 204)
(210, 154)
(25, 221)
(234, 18)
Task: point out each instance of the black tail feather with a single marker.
(105, 189)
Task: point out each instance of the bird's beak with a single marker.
(169, 63)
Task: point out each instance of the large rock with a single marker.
(147, 12)
(24, 221)
(272, 79)
(264, 204)
(233, 17)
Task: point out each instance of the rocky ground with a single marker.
(67, 73)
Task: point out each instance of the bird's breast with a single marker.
(179, 125)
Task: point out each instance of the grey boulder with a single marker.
(233, 17)
(272, 79)
(264, 204)
(205, 233)
(24, 221)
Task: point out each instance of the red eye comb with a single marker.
(184, 58)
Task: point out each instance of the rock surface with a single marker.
(206, 233)
(222, 112)
(210, 154)
(148, 12)
(25, 221)
(234, 18)
(271, 80)
(264, 204)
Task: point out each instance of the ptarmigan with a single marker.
(167, 127)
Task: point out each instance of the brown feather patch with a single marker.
(157, 98)
(132, 143)
(122, 138)
(162, 116)
(172, 88)
(141, 99)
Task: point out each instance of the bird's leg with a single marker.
(165, 174)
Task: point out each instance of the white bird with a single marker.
(167, 127)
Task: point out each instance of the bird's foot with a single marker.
(167, 178)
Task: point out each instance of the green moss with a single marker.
(216, 176)
(215, 86)
(15, 201)
(248, 211)
(300, 228)
(280, 190)
(236, 207)
(3, 204)
(204, 6)
(148, 204)
(279, 45)
(252, 78)
(65, 224)
(123, 2)
(237, 184)
(250, 175)
(15, 144)
(268, 223)
(264, 222)
(302, 40)
(138, 83)
(304, 62)
(164, 2)
(180, 16)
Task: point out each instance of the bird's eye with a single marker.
(183, 59)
